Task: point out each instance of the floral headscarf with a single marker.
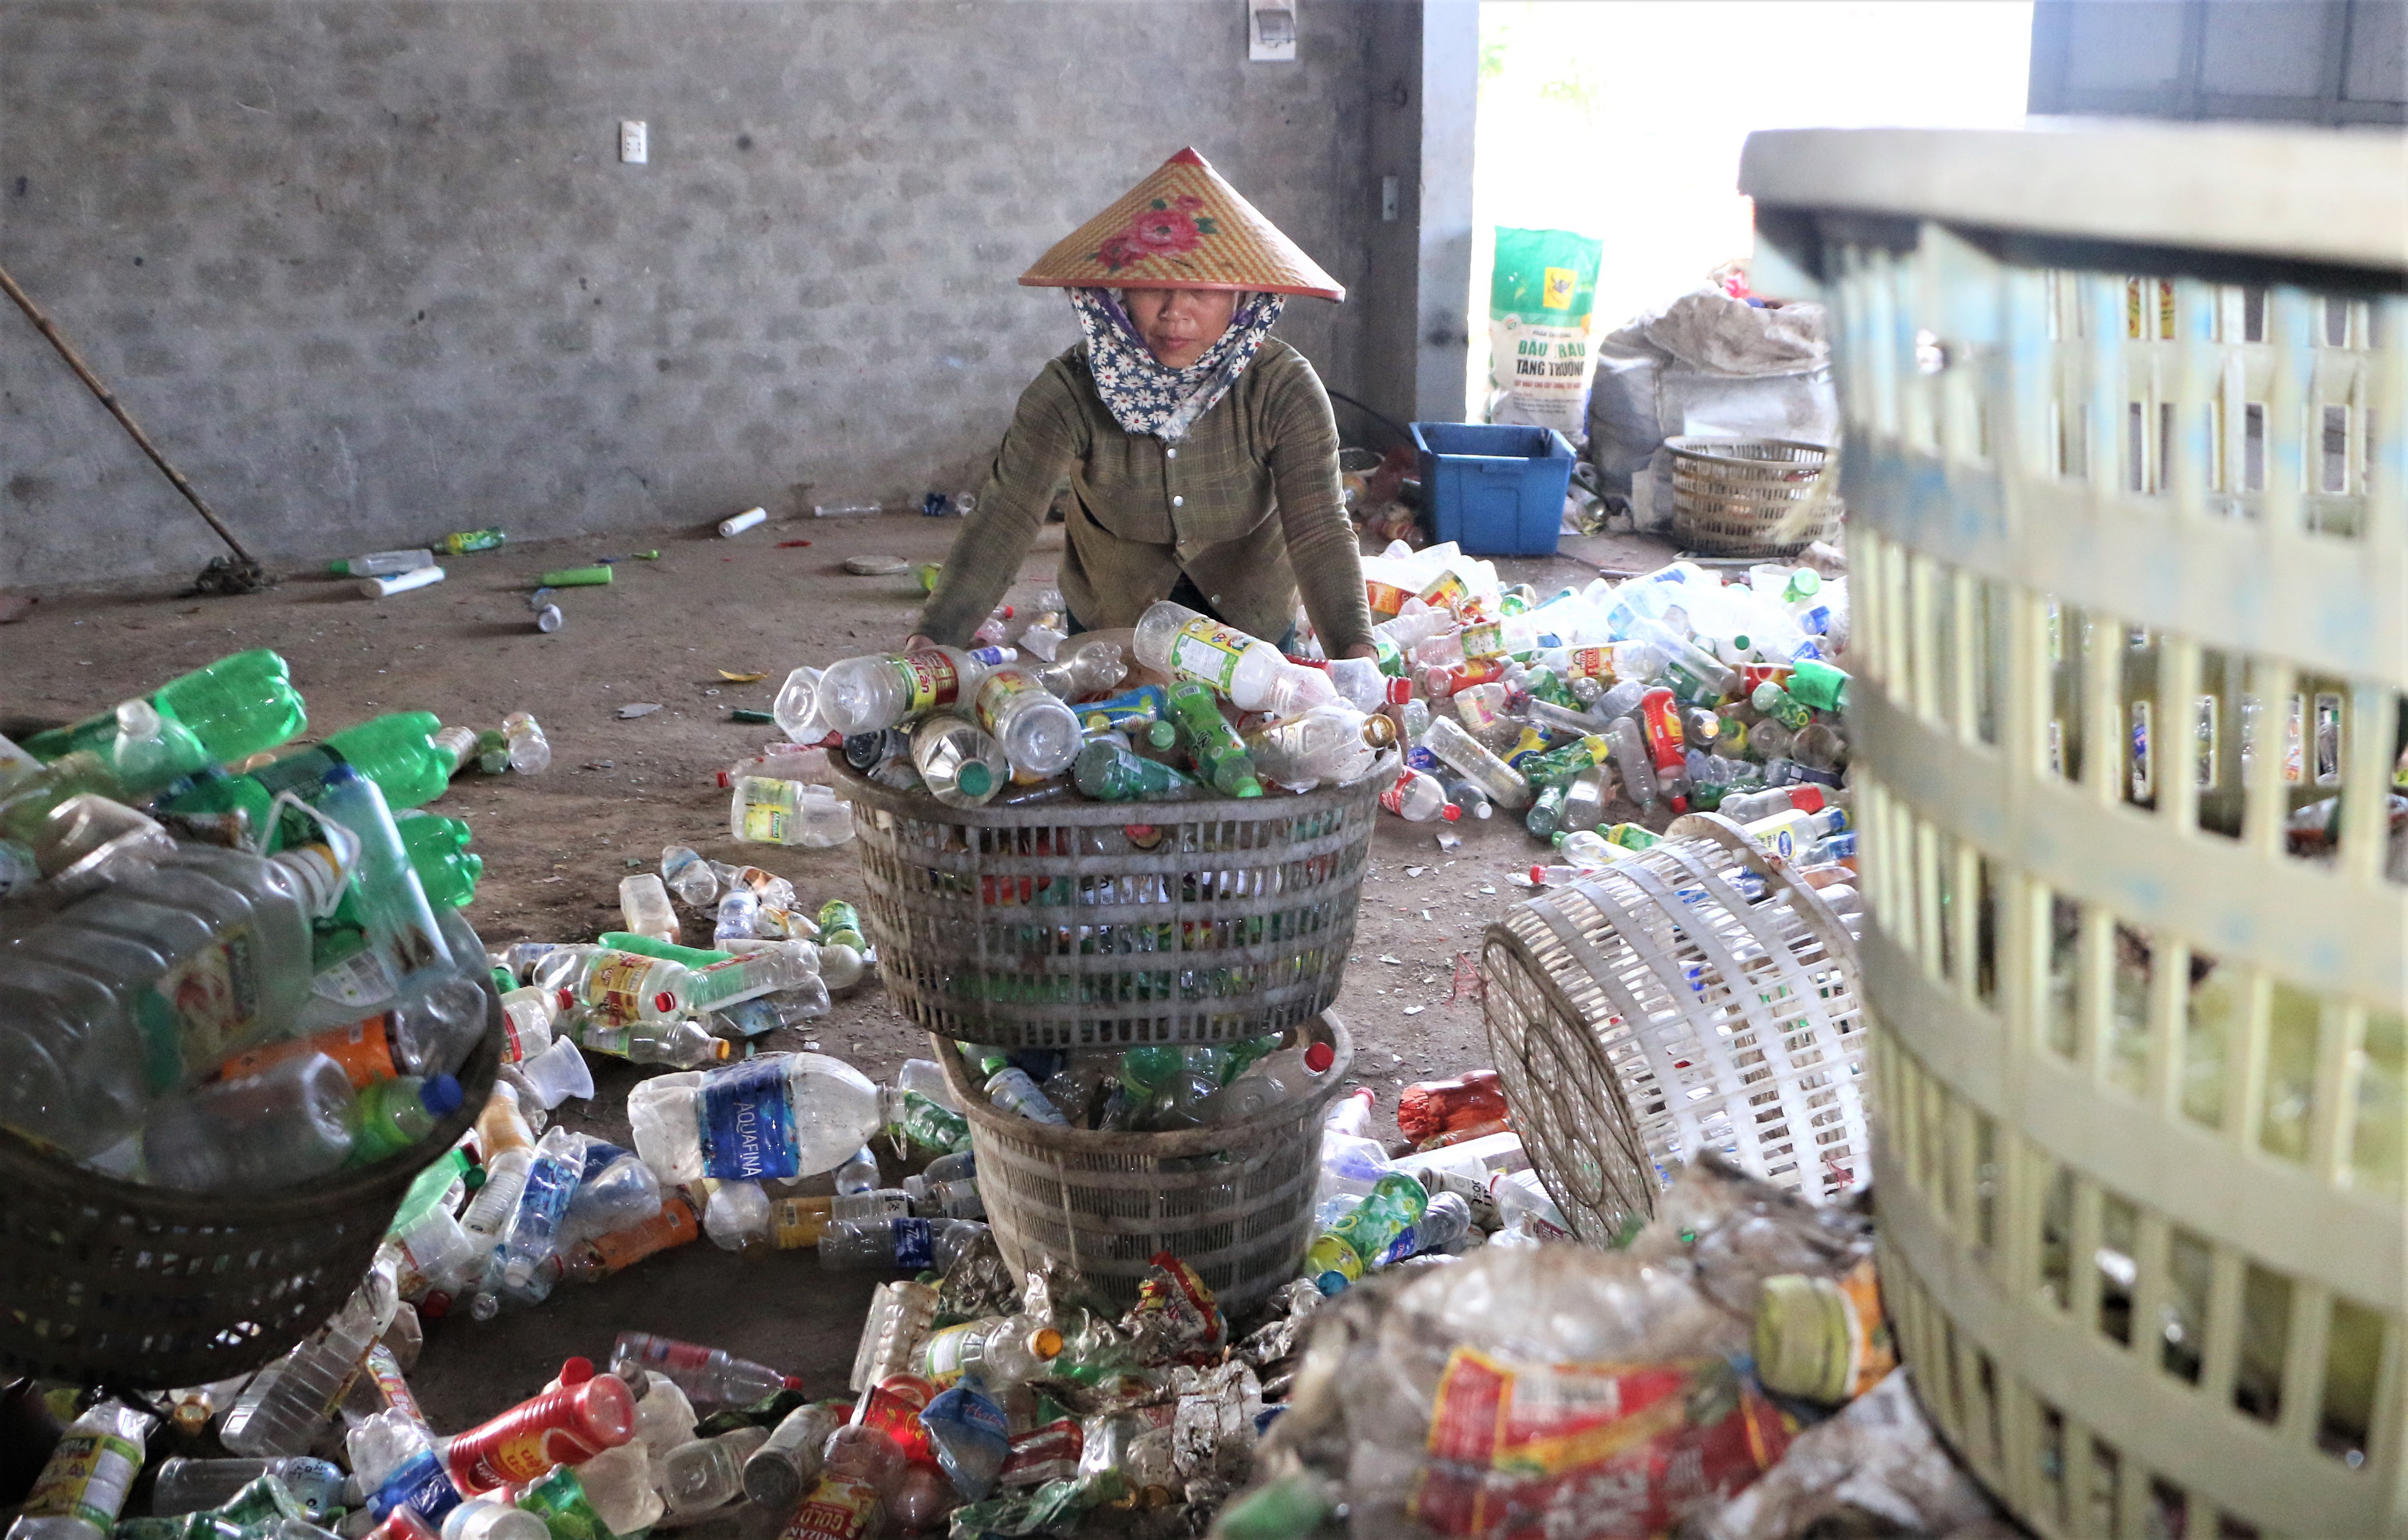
(1145, 395)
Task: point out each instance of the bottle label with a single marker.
(1445, 591)
(206, 1000)
(1385, 599)
(915, 1245)
(747, 1124)
(673, 1226)
(996, 693)
(768, 809)
(1208, 651)
(1484, 640)
(838, 1507)
(1049, 1453)
(1590, 663)
(422, 1485)
(796, 1222)
(941, 1361)
(85, 1478)
(385, 1369)
(615, 988)
(929, 678)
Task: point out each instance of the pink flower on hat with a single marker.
(1163, 230)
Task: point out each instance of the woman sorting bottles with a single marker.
(1200, 450)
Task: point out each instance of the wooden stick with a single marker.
(142, 439)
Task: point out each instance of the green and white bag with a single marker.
(1540, 300)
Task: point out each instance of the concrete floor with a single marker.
(556, 844)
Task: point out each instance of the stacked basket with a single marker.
(2126, 426)
(1089, 925)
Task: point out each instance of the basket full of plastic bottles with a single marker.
(1209, 1151)
(236, 1030)
(1041, 875)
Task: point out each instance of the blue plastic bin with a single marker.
(1495, 490)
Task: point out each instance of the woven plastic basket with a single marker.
(2126, 460)
(1078, 925)
(1750, 496)
(1233, 1200)
(1696, 997)
(103, 1282)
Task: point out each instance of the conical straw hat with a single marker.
(1182, 228)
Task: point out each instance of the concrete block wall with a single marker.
(371, 270)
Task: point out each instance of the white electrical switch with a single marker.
(634, 144)
(1271, 31)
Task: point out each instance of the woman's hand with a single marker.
(1364, 649)
(915, 642)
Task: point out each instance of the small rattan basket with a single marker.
(1233, 1200)
(1082, 925)
(103, 1282)
(1699, 996)
(1751, 496)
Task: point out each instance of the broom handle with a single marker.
(133, 429)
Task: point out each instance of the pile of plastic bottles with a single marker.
(232, 968)
(1152, 1089)
(1669, 691)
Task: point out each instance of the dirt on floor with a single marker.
(670, 631)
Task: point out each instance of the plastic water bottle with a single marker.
(1286, 1075)
(82, 1066)
(1001, 1350)
(530, 751)
(797, 706)
(644, 906)
(617, 986)
(392, 1115)
(778, 1115)
(886, 689)
(787, 813)
(1176, 640)
(83, 1484)
(776, 1473)
(288, 1123)
(915, 1246)
(1090, 669)
(1108, 772)
(961, 766)
(703, 1373)
(1456, 747)
(509, 1149)
(1039, 735)
(535, 1226)
(1337, 743)
(185, 1485)
(280, 1411)
(1013, 1091)
(1418, 797)
(377, 564)
(707, 1473)
(688, 876)
(684, 1043)
(400, 921)
(1219, 755)
(1347, 1249)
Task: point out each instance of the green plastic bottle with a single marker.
(1109, 773)
(1148, 1067)
(1557, 766)
(1814, 681)
(559, 1500)
(1219, 753)
(397, 752)
(929, 1124)
(1395, 1204)
(437, 848)
(651, 947)
(393, 1115)
(840, 924)
(235, 707)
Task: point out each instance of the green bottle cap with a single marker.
(1162, 734)
(975, 780)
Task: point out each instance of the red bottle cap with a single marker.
(576, 1371)
(1319, 1058)
(1806, 798)
(1451, 813)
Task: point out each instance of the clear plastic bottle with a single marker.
(1585, 800)
(507, 1146)
(1286, 1075)
(685, 1042)
(887, 689)
(280, 1411)
(492, 1518)
(1109, 771)
(1092, 668)
(708, 1473)
(185, 1485)
(1457, 748)
(528, 1015)
(1337, 743)
(961, 766)
(797, 706)
(530, 751)
(288, 1123)
(1012, 1090)
(1001, 1350)
(617, 986)
(83, 1484)
(1418, 797)
(393, 1115)
(777, 1473)
(1176, 640)
(1471, 796)
(712, 1122)
(764, 810)
(81, 1002)
(1631, 758)
(535, 1226)
(703, 1373)
(688, 876)
(644, 906)
(1037, 733)
(910, 1244)
(392, 900)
